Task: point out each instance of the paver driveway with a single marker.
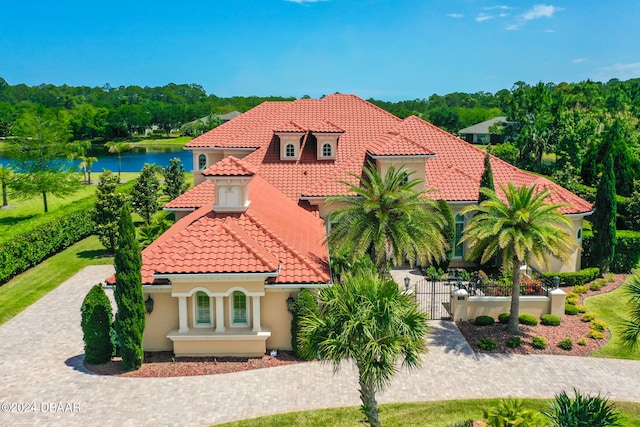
(41, 365)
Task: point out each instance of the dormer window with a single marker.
(290, 150)
(202, 161)
(327, 150)
(327, 145)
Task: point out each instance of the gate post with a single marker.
(459, 302)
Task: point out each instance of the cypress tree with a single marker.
(96, 326)
(486, 180)
(449, 233)
(604, 218)
(130, 319)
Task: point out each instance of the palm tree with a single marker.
(387, 218)
(118, 148)
(522, 228)
(630, 328)
(86, 163)
(369, 320)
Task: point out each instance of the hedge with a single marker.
(627, 252)
(581, 277)
(30, 249)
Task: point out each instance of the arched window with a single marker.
(579, 235)
(459, 226)
(289, 150)
(202, 310)
(202, 161)
(240, 309)
(327, 150)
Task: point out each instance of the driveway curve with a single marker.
(43, 382)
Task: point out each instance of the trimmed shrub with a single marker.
(611, 277)
(596, 335)
(304, 304)
(582, 341)
(582, 308)
(575, 278)
(588, 317)
(528, 319)
(514, 342)
(97, 317)
(550, 320)
(504, 318)
(571, 310)
(539, 343)
(487, 344)
(598, 325)
(565, 344)
(572, 298)
(627, 253)
(484, 321)
(580, 289)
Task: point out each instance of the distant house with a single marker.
(480, 133)
(250, 235)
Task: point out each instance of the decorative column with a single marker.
(219, 314)
(182, 315)
(256, 314)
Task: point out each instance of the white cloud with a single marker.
(617, 71)
(578, 60)
(484, 17)
(455, 15)
(497, 7)
(536, 12)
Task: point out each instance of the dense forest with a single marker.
(555, 129)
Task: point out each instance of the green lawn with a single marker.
(28, 287)
(423, 414)
(610, 307)
(157, 140)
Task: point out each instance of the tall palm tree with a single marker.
(118, 148)
(630, 328)
(368, 320)
(387, 218)
(524, 227)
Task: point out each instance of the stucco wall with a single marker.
(276, 317)
(163, 319)
(494, 306)
(236, 347)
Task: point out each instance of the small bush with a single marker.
(582, 308)
(304, 304)
(572, 298)
(487, 344)
(514, 342)
(96, 323)
(592, 411)
(596, 335)
(596, 286)
(571, 310)
(588, 317)
(582, 341)
(484, 321)
(539, 343)
(510, 412)
(550, 320)
(580, 289)
(528, 319)
(575, 278)
(504, 318)
(598, 325)
(565, 344)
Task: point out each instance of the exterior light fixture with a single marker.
(290, 301)
(148, 304)
(407, 282)
(556, 282)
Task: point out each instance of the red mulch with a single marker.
(164, 364)
(571, 327)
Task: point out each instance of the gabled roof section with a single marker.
(202, 194)
(230, 166)
(483, 127)
(286, 242)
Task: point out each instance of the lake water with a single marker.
(134, 160)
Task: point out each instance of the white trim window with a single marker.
(202, 310)
(239, 309)
(327, 150)
(290, 150)
(202, 161)
(458, 249)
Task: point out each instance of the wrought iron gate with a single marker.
(434, 297)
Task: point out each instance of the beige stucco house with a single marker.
(250, 234)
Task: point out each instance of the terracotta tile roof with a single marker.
(325, 126)
(287, 240)
(229, 166)
(454, 172)
(202, 194)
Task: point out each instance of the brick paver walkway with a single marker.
(41, 365)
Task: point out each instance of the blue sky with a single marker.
(385, 49)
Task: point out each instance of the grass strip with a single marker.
(28, 287)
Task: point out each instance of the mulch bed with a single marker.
(571, 327)
(164, 364)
